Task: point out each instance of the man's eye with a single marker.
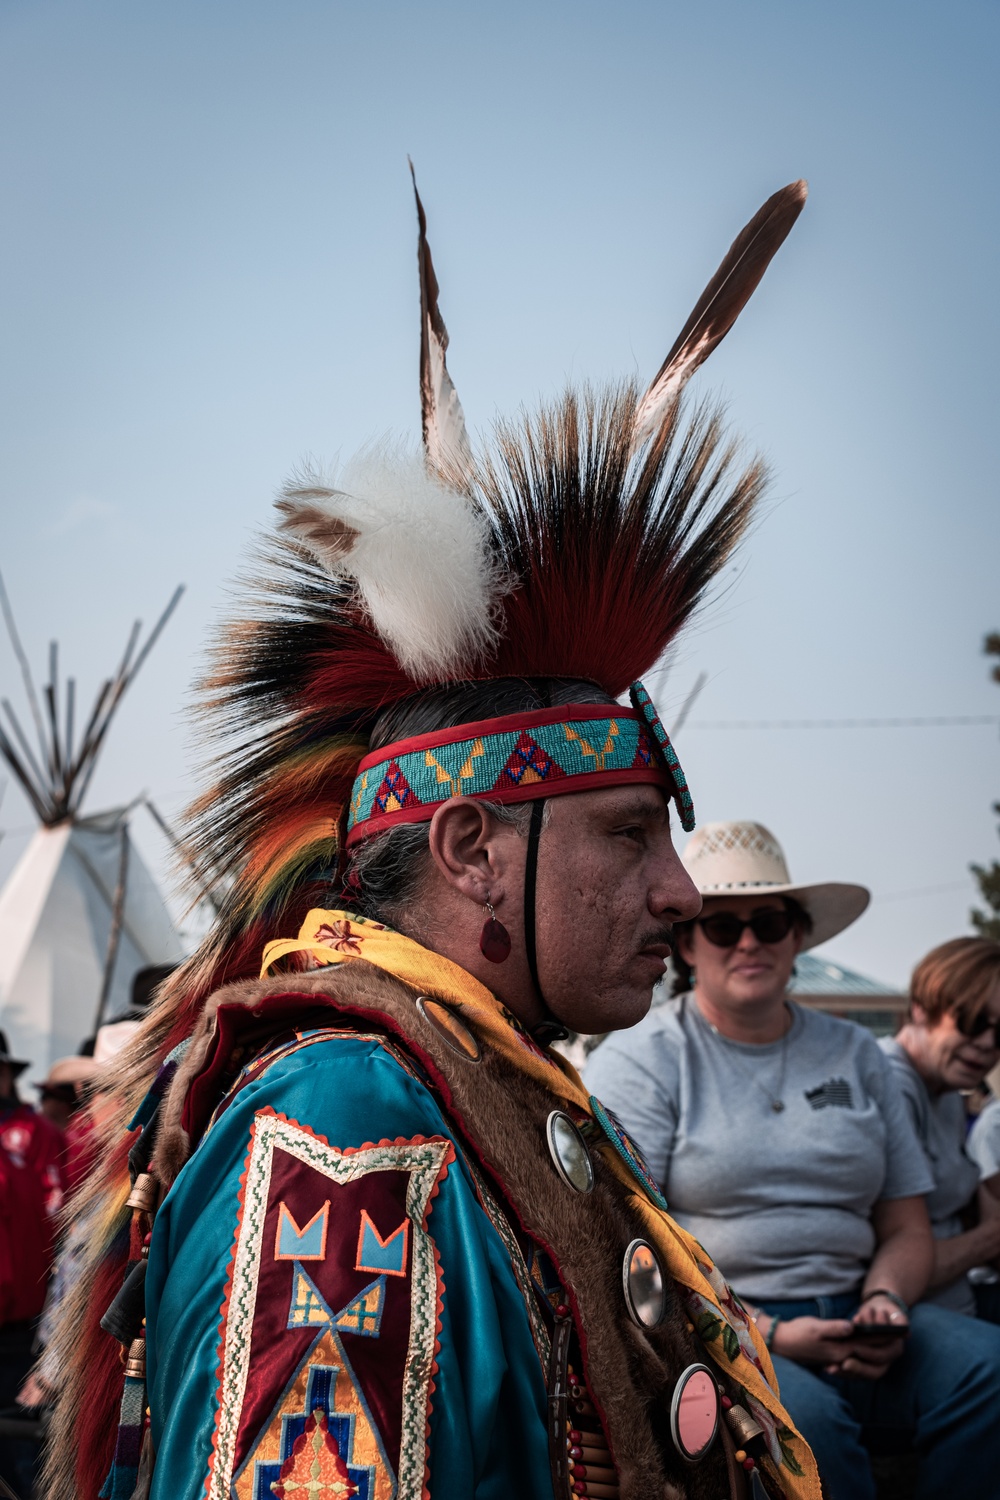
(634, 831)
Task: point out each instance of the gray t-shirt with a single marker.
(983, 1144)
(939, 1120)
(781, 1201)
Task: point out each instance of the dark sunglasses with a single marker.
(724, 928)
(974, 1029)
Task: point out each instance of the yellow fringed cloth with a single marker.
(722, 1324)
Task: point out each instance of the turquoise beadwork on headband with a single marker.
(517, 758)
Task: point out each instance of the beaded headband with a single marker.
(578, 747)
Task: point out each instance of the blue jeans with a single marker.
(941, 1397)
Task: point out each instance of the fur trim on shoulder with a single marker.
(357, 981)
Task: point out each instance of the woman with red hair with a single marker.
(948, 1044)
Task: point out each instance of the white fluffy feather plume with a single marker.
(416, 550)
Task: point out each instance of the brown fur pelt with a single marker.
(499, 1115)
(86, 1358)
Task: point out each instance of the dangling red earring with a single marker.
(494, 940)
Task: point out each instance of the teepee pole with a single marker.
(51, 691)
(70, 713)
(117, 917)
(56, 780)
(126, 675)
(19, 652)
(182, 852)
(31, 792)
(155, 633)
(26, 752)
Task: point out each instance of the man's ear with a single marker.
(467, 846)
(917, 1014)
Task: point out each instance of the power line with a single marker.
(926, 723)
(926, 890)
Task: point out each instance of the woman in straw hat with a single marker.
(781, 1141)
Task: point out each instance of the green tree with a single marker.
(987, 923)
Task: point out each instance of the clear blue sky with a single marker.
(207, 272)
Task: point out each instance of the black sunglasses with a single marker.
(724, 928)
(974, 1029)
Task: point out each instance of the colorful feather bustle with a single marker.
(577, 545)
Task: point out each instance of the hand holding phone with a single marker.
(878, 1331)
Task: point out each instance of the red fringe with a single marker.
(595, 627)
(97, 1419)
(363, 676)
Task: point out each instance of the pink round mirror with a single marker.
(642, 1279)
(694, 1412)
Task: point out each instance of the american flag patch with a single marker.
(835, 1092)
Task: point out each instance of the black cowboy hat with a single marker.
(16, 1064)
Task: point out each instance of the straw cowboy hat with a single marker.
(70, 1072)
(742, 859)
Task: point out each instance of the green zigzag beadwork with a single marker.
(643, 704)
(627, 1150)
(504, 762)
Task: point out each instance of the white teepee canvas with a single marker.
(56, 915)
(79, 914)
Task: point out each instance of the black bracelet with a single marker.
(880, 1291)
(769, 1335)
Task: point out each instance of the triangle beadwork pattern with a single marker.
(394, 791)
(528, 764)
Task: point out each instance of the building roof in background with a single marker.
(817, 977)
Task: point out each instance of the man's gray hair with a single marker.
(389, 869)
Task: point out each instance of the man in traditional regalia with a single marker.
(367, 1235)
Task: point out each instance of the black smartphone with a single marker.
(879, 1331)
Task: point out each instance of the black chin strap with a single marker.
(549, 1029)
(530, 882)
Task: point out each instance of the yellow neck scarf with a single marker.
(333, 937)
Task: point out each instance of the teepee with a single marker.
(80, 913)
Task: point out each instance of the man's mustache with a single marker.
(660, 936)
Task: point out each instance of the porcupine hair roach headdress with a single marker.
(574, 547)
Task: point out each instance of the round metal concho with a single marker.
(569, 1153)
(642, 1280)
(452, 1031)
(694, 1412)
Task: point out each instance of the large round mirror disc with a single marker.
(694, 1412)
(569, 1153)
(449, 1028)
(642, 1279)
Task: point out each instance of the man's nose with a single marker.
(675, 896)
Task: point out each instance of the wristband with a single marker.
(769, 1335)
(880, 1291)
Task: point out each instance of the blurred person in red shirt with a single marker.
(32, 1186)
(64, 1098)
